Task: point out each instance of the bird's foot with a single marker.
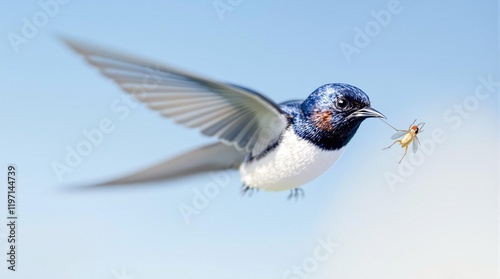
(247, 190)
(296, 194)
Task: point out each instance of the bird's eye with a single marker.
(342, 103)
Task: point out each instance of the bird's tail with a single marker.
(212, 157)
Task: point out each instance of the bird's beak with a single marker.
(367, 112)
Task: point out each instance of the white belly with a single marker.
(291, 164)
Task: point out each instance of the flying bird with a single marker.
(275, 146)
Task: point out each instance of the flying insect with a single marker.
(406, 137)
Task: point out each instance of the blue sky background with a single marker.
(441, 222)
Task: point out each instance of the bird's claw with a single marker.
(248, 190)
(296, 193)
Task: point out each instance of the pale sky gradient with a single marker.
(440, 222)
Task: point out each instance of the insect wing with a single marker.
(415, 145)
(398, 134)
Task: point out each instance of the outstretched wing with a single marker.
(399, 134)
(235, 115)
(212, 157)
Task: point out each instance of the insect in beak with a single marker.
(367, 112)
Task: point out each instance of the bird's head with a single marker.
(334, 112)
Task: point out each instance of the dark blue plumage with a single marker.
(326, 117)
(320, 120)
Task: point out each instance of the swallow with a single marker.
(275, 146)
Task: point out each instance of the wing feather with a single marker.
(237, 116)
